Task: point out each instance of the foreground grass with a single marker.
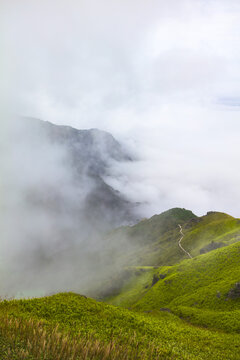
(28, 339)
(65, 322)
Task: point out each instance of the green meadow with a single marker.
(167, 307)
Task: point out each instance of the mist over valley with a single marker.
(56, 207)
(119, 180)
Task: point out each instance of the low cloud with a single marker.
(162, 77)
(51, 236)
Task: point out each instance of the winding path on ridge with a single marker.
(179, 243)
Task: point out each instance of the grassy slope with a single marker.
(135, 287)
(173, 338)
(196, 290)
(214, 227)
(156, 239)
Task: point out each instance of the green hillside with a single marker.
(162, 305)
(155, 240)
(214, 228)
(129, 335)
(200, 290)
(204, 290)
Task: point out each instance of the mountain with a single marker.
(89, 155)
(191, 312)
(169, 285)
(154, 242)
(156, 239)
(55, 206)
(170, 302)
(204, 290)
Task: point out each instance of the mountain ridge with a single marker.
(89, 155)
(158, 236)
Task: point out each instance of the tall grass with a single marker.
(28, 339)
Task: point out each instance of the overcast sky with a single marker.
(162, 76)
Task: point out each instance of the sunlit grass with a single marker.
(29, 339)
(65, 322)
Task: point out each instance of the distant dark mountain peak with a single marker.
(92, 146)
(90, 154)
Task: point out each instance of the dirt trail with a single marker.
(179, 243)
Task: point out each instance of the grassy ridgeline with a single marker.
(156, 239)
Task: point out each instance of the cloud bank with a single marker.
(163, 77)
(52, 215)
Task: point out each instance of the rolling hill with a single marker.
(163, 305)
(156, 239)
(87, 329)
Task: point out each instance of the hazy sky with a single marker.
(162, 76)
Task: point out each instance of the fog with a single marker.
(52, 236)
(162, 77)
